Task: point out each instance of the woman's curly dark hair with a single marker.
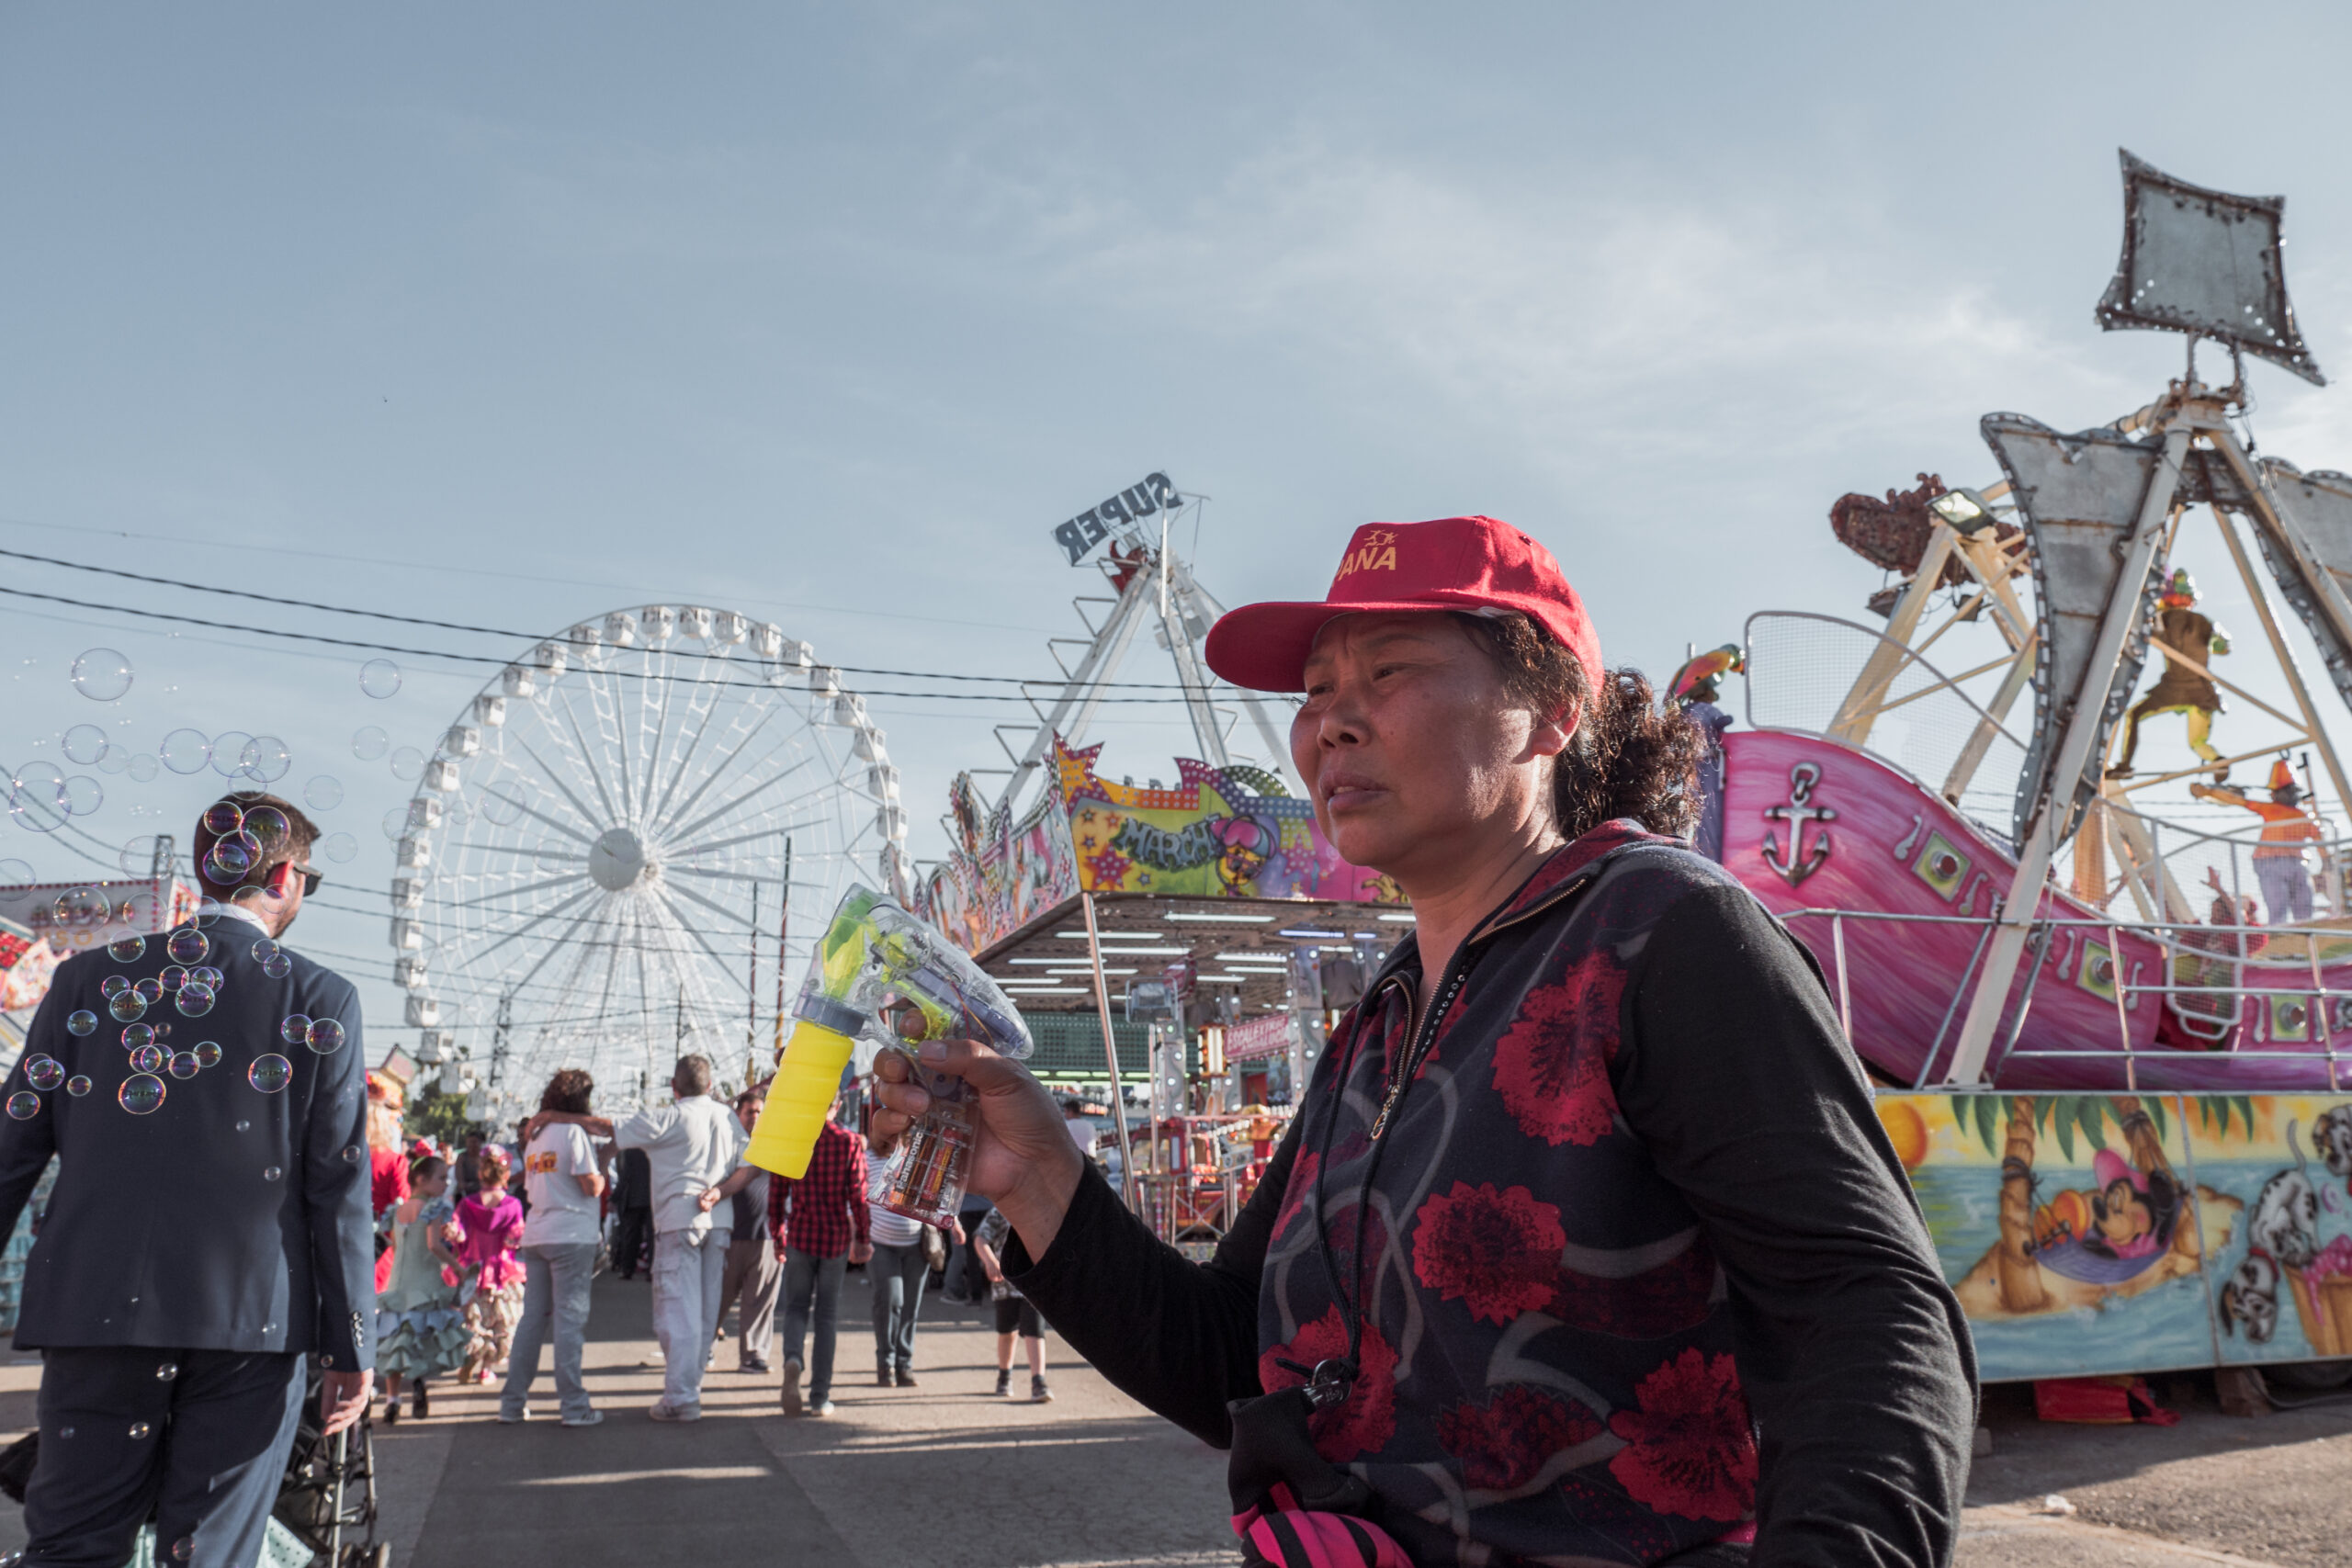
(1627, 758)
(570, 1089)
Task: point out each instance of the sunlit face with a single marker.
(1411, 749)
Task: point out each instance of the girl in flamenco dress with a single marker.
(421, 1330)
(489, 1223)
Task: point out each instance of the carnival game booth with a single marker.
(2108, 995)
(1208, 929)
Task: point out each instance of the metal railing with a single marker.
(2321, 1014)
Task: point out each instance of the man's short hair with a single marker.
(294, 844)
(693, 1076)
(568, 1090)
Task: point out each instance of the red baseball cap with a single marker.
(1453, 563)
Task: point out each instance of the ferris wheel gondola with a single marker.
(602, 839)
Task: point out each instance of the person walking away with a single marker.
(632, 1215)
(900, 1269)
(207, 1233)
(822, 1226)
(1014, 1312)
(2278, 856)
(563, 1182)
(466, 1174)
(420, 1327)
(489, 1224)
(752, 1275)
(691, 1145)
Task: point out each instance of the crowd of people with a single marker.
(485, 1251)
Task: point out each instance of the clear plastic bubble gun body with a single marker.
(875, 962)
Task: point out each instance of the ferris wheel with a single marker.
(601, 842)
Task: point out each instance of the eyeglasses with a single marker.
(311, 877)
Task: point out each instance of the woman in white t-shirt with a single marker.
(898, 1271)
(564, 1184)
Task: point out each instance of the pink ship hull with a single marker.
(1893, 847)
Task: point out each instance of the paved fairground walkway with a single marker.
(947, 1474)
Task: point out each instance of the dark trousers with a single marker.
(898, 1275)
(812, 1288)
(632, 1238)
(200, 1436)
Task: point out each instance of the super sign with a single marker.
(1130, 506)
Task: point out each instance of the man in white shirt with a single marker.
(692, 1145)
(563, 1182)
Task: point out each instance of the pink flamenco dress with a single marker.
(488, 1276)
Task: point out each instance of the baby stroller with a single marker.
(328, 1499)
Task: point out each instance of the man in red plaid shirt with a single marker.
(821, 1229)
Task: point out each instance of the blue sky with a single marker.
(829, 315)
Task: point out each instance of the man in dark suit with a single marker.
(210, 1225)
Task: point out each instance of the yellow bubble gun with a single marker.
(875, 962)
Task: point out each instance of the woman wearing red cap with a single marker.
(1586, 1245)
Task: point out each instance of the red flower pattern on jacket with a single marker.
(1676, 1295)
(1367, 1420)
(1497, 1249)
(1550, 1065)
(1689, 1447)
(1503, 1443)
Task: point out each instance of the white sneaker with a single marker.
(664, 1412)
(823, 1407)
(591, 1420)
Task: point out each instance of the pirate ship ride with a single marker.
(1997, 898)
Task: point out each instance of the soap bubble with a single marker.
(208, 910)
(184, 1064)
(141, 767)
(24, 1105)
(223, 816)
(368, 743)
(16, 875)
(270, 1074)
(141, 1093)
(114, 985)
(395, 824)
(296, 1028)
(379, 678)
(204, 975)
(186, 751)
(81, 907)
(187, 945)
(340, 848)
(115, 759)
(208, 1054)
(101, 674)
(323, 793)
(44, 1072)
(85, 743)
(195, 1000)
(263, 948)
(267, 828)
(138, 1035)
(270, 1173)
(408, 764)
(147, 1058)
(137, 857)
(42, 782)
(77, 1086)
(265, 757)
(229, 753)
(127, 949)
(227, 863)
(277, 965)
(174, 977)
(149, 989)
(324, 1036)
(84, 795)
(81, 1023)
(128, 1006)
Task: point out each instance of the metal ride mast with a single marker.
(1151, 581)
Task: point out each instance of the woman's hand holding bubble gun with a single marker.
(1022, 1157)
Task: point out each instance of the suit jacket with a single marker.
(225, 1218)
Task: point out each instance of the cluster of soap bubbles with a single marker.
(234, 754)
(194, 988)
(242, 838)
(42, 796)
(87, 746)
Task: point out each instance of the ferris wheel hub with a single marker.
(618, 861)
